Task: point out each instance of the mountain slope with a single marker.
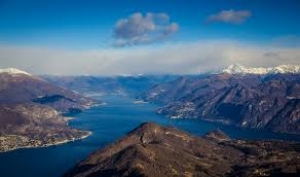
(151, 150)
(255, 101)
(31, 111)
(21, 87)
(31, 125)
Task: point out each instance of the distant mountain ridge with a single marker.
(282, 69)
(129, 85)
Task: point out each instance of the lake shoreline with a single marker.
(50, 144)
(108, 124)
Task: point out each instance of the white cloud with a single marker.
(143, 29)
(180, 58)
(230, 16)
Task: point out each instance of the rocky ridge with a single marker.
(152, 150)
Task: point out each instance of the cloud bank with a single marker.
(230, 16)
(143, 29)
(184, 58)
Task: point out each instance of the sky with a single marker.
(113, 37)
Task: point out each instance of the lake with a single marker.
(108, 123)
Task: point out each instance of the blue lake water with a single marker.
(107, 123)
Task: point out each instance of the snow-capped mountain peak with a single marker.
(282, 69)
(239, 69)
(13, 71)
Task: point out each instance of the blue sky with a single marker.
(76, 25)
(90, 24)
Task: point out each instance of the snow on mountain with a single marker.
(239, 69)
(13, 71)
(282, 69)
(285, 69)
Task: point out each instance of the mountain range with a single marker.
(263, 98)
(236, 96)
(33, 110)
(127, 85)
(282, 69)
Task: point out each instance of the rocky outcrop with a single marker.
(255, 101)
(217, 135)
(151, 150)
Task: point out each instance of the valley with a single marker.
(149, 88)
(197, 104)
(104, 122)
(126, 85)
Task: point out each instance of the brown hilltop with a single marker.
(152, 150)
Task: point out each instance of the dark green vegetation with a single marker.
(152, 150)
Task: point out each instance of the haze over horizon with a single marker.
(148, 37)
